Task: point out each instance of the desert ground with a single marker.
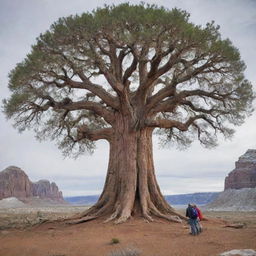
(159, 238)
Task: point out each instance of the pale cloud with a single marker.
(193, 170)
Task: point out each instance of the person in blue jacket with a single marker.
(192, 215)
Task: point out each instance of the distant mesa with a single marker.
(244, 174)
(177, 200)
(45, 189)
(14, 182)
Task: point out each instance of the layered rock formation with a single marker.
(15, 183)
(244, 174)
(45, 189)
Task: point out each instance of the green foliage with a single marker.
(115, 241)
(41, 88)
(14, 104)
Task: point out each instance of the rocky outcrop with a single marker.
(45, 189)
(11, 202)
(244, 174)
(15, 183)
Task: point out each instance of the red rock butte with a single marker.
(14, 182)
(244, 174)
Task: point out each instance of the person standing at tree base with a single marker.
(192, 214)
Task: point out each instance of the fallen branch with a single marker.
(239, 225)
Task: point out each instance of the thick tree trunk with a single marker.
(131, 188)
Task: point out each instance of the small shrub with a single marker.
(126, 252)
(39, 215)
(115, 241)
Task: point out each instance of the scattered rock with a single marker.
(239, 225)
(242, 252)
(11, 202)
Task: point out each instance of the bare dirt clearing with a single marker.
(160, 238)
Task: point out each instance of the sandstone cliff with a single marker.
(45, 189)
(244, 174)
(15, 183)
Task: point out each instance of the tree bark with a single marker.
(131, 187)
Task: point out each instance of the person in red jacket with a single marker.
(200, 217)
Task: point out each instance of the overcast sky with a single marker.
(194, 170)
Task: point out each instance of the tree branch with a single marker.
(165, 123)
(128, 72)
(86, 84)
(84, 132)
(69, 105)
(210, 111)
(97, 108)
(99, 91)
(168, 91)
(170, 104)
(99, 62)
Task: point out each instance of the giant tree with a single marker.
(119, 74)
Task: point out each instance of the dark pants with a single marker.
(194, 226)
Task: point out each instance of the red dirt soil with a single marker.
(160, 238)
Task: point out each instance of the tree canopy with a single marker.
(150, 63)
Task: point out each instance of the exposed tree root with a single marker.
(112, 217)
(147, 217)
(118, 218)
(122, 219)
(81, 220)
